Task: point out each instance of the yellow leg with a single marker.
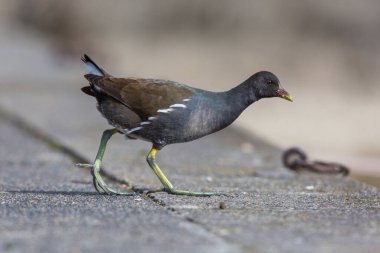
(168, 187)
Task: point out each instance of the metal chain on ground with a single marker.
(297, 160)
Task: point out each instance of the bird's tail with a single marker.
(92, 67)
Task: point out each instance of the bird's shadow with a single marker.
(66, 193)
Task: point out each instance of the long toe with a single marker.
(109, 191)
(84, 165)
(192, 193)
(97, 186)
(103, 187)
(112, 191)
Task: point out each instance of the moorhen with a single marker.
(166, 112)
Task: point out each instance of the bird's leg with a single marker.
(168, 187)
(98, 181)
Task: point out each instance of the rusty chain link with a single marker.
(297, 160)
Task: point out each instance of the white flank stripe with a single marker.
(133, 130)
(152, 118)
(186, 99)
(178, 105)
(165, 110)
(145, 123)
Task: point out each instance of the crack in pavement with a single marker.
(52, 143)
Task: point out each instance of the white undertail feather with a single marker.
(92, 69)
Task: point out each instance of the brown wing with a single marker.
(144, 96)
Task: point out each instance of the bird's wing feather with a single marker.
(144, 96)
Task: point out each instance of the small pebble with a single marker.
(309, 187)
(222, 205)
(209, 179)
(138, 199)
(246, 147)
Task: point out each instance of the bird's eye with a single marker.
(269, 82)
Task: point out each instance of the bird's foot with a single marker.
(99, 184)
(185, 192)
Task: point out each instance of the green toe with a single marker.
(184, 192)
(192, 193)
(99, 183)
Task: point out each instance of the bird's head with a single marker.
(267, 85)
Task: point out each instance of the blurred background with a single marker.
(326, 54)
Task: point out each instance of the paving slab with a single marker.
(269, 209)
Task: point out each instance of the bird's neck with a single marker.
(241, 96)
(234, 102)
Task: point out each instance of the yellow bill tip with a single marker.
(287, 97)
